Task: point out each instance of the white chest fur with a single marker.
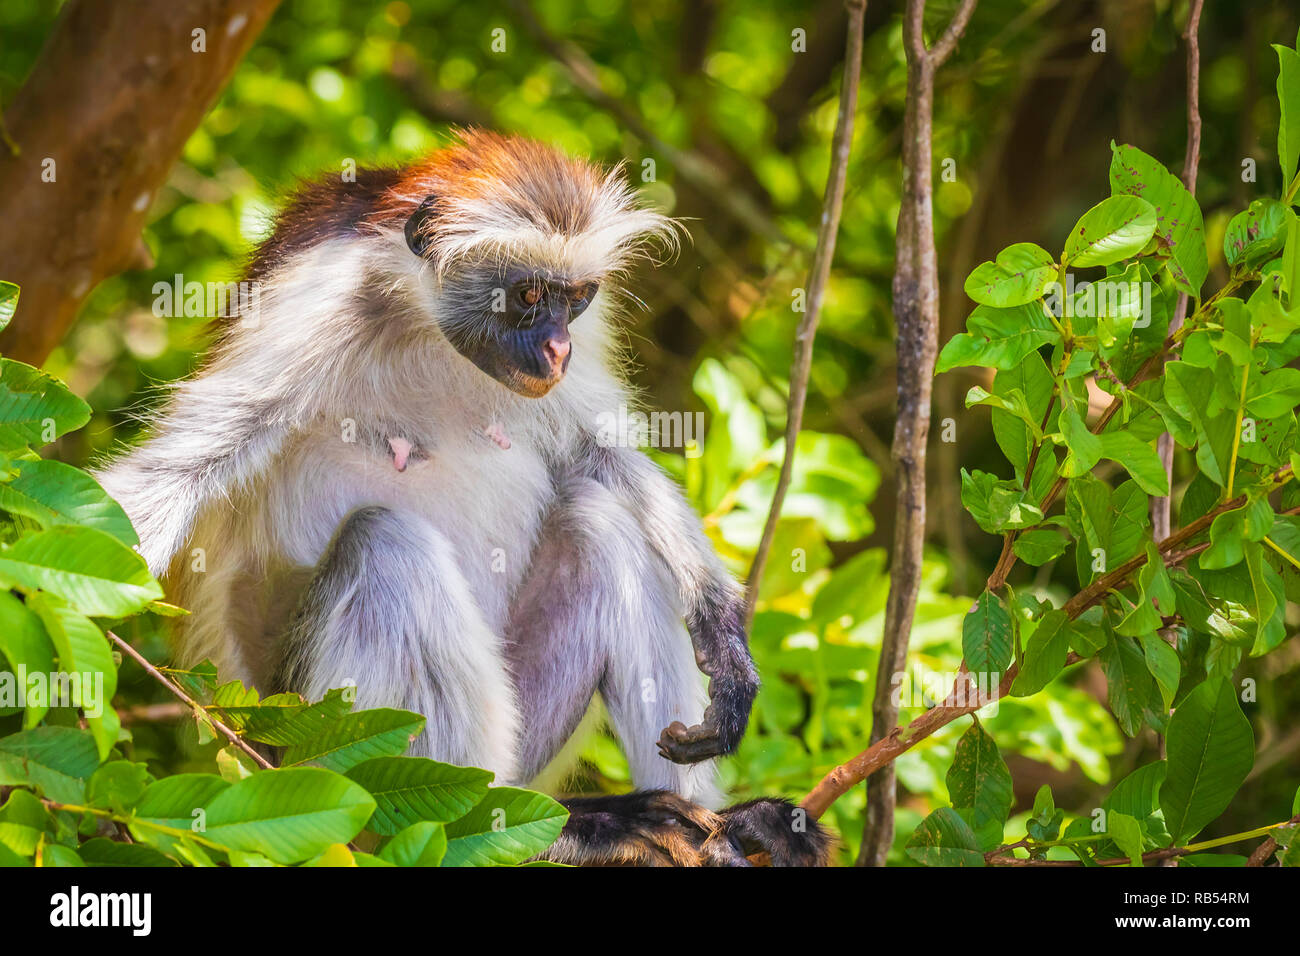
(484, 499)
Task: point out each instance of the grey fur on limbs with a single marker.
(388, 611)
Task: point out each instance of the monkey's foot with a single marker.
(682, 744)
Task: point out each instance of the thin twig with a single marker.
(819, 272)
(1191, 160)
(198, 708)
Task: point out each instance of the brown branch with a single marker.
(916, 316)
(1191, 160)
(152, 713)
(194, 705)
(818, 273)
(960, 700)
(943, 47)
(115, 94)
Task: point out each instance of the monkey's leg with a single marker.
(711, 598)
(599, 611)
(388, 611)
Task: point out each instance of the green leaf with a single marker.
(1180, 228)
(1016, 439)
(172, 801)
(408, 790)
(85, 655)
(508, 826)
(1164, 665)
(995, 505)
(56, 760)
(1115, 229)
(986, 636)
(1127, 834)
(1011, 401)
(1113, 523)
(421, 844)
(52, 493)
(1129, 683)
(358, 737)
(1288, 95)
(102, 852)
(20, 838)
(289, 815)
(8, 302)
(1139, 458)
(1045, 655)
(945, 839)
(25, 644)
(1211, 749)
(35, 408)
(1290, 272)
(1138, 793)
(1019, 275)
(1257, 234)
(93, 571)
(1045, 819)
(117, 785)
(1277, 393)
(979, 780)
(1085, 448)
(1039, 545)
(56, 854)
(999, 338)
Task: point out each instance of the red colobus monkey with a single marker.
(393, 473)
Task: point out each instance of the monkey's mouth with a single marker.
(531, 386)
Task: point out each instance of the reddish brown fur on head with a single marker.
(497, 197)
(538, 183)
(520, 201)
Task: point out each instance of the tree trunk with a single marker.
(116, 92)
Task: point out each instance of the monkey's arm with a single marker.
(711, 599)
(217, 432)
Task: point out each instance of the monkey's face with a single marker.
(519, 333)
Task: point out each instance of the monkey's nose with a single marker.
(556, 351)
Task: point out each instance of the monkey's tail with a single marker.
(659, 828)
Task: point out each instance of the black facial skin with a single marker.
(516, 325)
(511, 323)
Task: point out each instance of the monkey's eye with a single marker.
(530, 295)
(581, 297)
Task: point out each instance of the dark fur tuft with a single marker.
(658, 828)
(779, 828)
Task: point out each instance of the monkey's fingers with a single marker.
(682, 744)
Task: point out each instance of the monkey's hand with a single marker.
(730, 698)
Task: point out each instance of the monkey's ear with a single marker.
(417, 231)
